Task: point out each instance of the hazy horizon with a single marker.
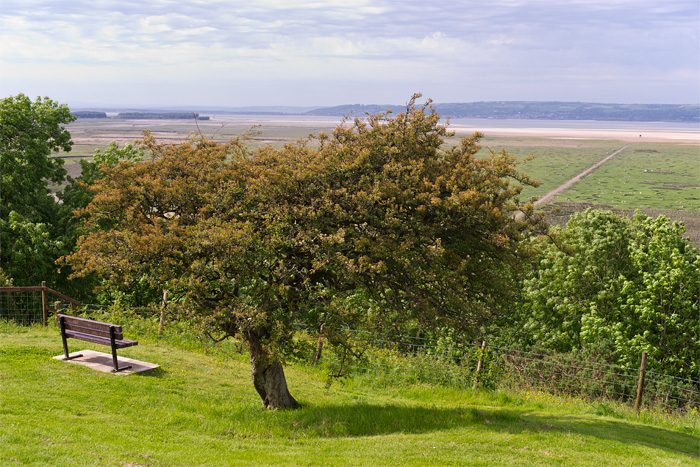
(310, 53)
(289, 108)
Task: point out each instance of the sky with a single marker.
(140, 53)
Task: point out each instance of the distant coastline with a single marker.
(525, 110)
(516, 110)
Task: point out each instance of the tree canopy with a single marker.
(620, 286)
(374, 226)
(31, 237)
(29, 133)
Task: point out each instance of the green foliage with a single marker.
(31, 235)
(617, 287)
(376, 227)
(35, 228)
(5, 280)
(30, 249)
(29, 133)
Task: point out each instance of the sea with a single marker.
(484, 123)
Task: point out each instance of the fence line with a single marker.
(32, 305)
(514, 368)
(424, 359)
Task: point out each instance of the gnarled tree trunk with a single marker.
(268, 375)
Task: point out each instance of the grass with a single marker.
(645, 176)
(199, 408)
(555, 162)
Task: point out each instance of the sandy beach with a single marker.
(645, 133)
(629, 132)
(630, 136)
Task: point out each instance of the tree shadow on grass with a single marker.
(611, 430)
(158, 372)
(364, 419)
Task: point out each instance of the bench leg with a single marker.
(116, 364)
(65, 342)
(114, 354)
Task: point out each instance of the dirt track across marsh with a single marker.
(549, 196)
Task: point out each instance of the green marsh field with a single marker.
(645, 176)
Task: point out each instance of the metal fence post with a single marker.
(640, 384)
(479, 364)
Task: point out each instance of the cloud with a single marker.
(371, 42)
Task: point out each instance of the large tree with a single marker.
(31, 132)
(618, 286)
(375, 225)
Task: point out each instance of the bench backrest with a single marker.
(88, 326)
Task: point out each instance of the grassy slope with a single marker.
(201, 409)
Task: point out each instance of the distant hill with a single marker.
(689, 113)
(89, 114)
(537, 110)
(161, 116)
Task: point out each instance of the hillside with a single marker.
(200, 409)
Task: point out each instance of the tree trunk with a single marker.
(268, 375)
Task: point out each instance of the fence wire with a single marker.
(22, 307)
(594, 380)
(26, 307)
(443, 361)
(436, 361)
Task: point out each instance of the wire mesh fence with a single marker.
(32, 305)
(438, 361)
(22, 307)
(446, 362)
(593, 380)
(411, 360)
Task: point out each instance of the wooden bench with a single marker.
(93, 331)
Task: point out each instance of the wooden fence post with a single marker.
(162, 311)
(479, 364)
(44, 304)
(640, 384)
(319, 346)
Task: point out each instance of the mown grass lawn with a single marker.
(201, 410)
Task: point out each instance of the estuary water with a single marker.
(303, 120)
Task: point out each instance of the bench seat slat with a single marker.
(93, 331)
(88, 323)
(120, 344)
